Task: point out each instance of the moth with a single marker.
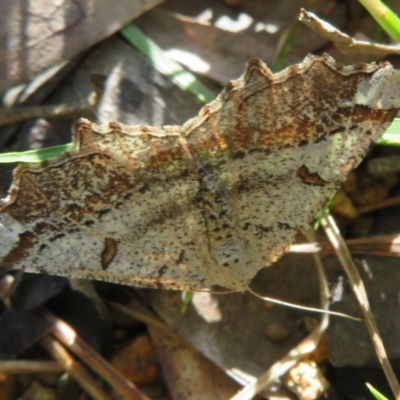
(207, 204)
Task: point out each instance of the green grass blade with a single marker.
(179, 75)
(321, 214)
(375, 393)
(187, 299)
(287, 46)
(384, 16)
(392, 135)
(34, 156)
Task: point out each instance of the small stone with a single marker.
(276, 332)
(306, 381)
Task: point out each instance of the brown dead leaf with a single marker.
(41, 34)
(187, 373)
(137, 361)
(7, 386)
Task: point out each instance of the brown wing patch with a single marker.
(108, 253)
(22, 248)
(309, 178)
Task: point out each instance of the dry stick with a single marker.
(342, 252)
(30, 367)
(349, 45)
(78, 346)
(305, 347)
(6, 283)
(384, 245)
(73, 367)
(390, 202)
(142, 314)
(343, 42)
(19, 114)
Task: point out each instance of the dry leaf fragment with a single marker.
(137, 361)
(206, 204)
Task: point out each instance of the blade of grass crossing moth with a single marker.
(390, 138)
(34, 156)
(321, 214)
(186, 300)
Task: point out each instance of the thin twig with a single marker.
(385, 245)
(78, 346)
(19, 114)
(305, 347)
(390, 202)
(140, 313)
(74, 368)
(300, 307)
(357, 284)
(30, 367)
(343, 42)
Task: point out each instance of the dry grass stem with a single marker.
(300, 307)
(139, 312)
(74, 368)
(343, 42)
(65, 334)
(30, 367)
(380, 205)
(354, 277)
(305, 347)
(385, 245)
(19, 114)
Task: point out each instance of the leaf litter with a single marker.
(162, 92)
